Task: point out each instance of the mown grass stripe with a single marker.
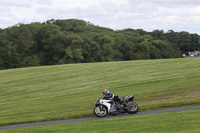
(38, 93)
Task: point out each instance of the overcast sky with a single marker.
(149, 15)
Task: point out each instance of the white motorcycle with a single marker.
(104, 107)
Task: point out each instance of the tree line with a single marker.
(76, 41)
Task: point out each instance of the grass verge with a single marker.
(38, 94)
(173, 122)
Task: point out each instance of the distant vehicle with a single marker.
(191, 54)
(104, 107)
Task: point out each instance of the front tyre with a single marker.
(100, 111)
(132, 108)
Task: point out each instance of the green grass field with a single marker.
(60, 92)
(174, 122)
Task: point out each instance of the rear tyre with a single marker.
(132, 108)
(100, 112)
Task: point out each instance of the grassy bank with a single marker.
(69, 91)
(174, 122)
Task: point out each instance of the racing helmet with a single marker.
(105, 92)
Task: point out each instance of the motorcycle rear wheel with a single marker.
(132, 108)
(99, 113)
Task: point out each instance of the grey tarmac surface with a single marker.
(96, 118)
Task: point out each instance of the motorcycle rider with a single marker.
(108, 95)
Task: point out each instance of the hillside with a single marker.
(58, 92)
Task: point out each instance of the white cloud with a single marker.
(15, 3)
(43, 2)
(196, 11)
(177, 2)
(177, 15)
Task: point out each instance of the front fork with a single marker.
(101, 107)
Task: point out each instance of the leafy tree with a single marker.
(77, 41)
(91, 52)
(172, 36)
(142, 51)
(51, 44)
(185, 41)
(195, 42)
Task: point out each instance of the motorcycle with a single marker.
(104, 107)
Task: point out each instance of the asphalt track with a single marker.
(96, 118)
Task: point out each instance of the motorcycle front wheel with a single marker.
(132, 108)
(100, 111)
